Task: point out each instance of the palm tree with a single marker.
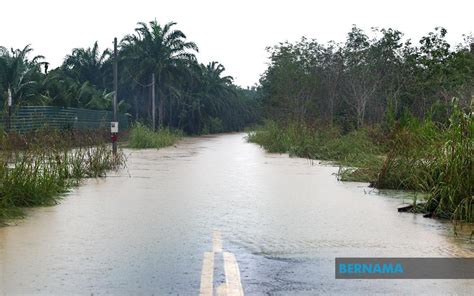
(87, 64)
(216, 88)
(19, 74)
(159, 50)
(206, 97)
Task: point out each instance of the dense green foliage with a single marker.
(190, 96)
(142, 136)
(381, 108)
(36, 169)
(367, 80)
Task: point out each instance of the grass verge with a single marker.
(38, 168)
(417, 155)
(356, 152)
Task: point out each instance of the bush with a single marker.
(213, 125)
(143, 137)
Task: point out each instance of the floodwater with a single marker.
(144, 230)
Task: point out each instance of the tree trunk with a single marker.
(160, 111)
(136, 107)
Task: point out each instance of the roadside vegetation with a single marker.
(38, 168)
(191, 98)
(419, 156)
(357, 153)
(194, 97)
(141, 136)
(438, 159)
(387, 112)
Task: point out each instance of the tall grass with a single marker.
(141, 136)
(356, 152)
(419, 155)
(36, 169)
(436, 159)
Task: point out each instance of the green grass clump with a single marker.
(141, 136)
(436, 159)
(416, 155)
(35, 170)
(356, 153)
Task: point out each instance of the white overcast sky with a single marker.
(234, 33)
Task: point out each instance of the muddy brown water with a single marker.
(144, 229)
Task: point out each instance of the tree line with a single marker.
(191, 96)
(367, 79)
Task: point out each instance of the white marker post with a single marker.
(114, 127)
(10, 102)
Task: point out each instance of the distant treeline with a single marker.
(366, 80)
(190, 96)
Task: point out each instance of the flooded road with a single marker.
(146, 229)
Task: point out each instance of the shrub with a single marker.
(143, 137)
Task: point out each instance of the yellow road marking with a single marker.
(232, 285)
(232, 275)
(221, 290)
(216, 242)
(207, 275)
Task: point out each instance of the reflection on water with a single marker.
(144, 229)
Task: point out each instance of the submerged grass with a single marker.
(356, 152)
(141, 136)
(36, 169)
(417, 155)
(436, 159)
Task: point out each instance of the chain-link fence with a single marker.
(29, 118)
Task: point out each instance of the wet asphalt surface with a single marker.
(143, 230)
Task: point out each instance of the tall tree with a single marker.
(19, 74)
(87, 64)
(160, 50)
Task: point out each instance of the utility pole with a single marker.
(153, 111)
(114, 125)
(161, 115)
